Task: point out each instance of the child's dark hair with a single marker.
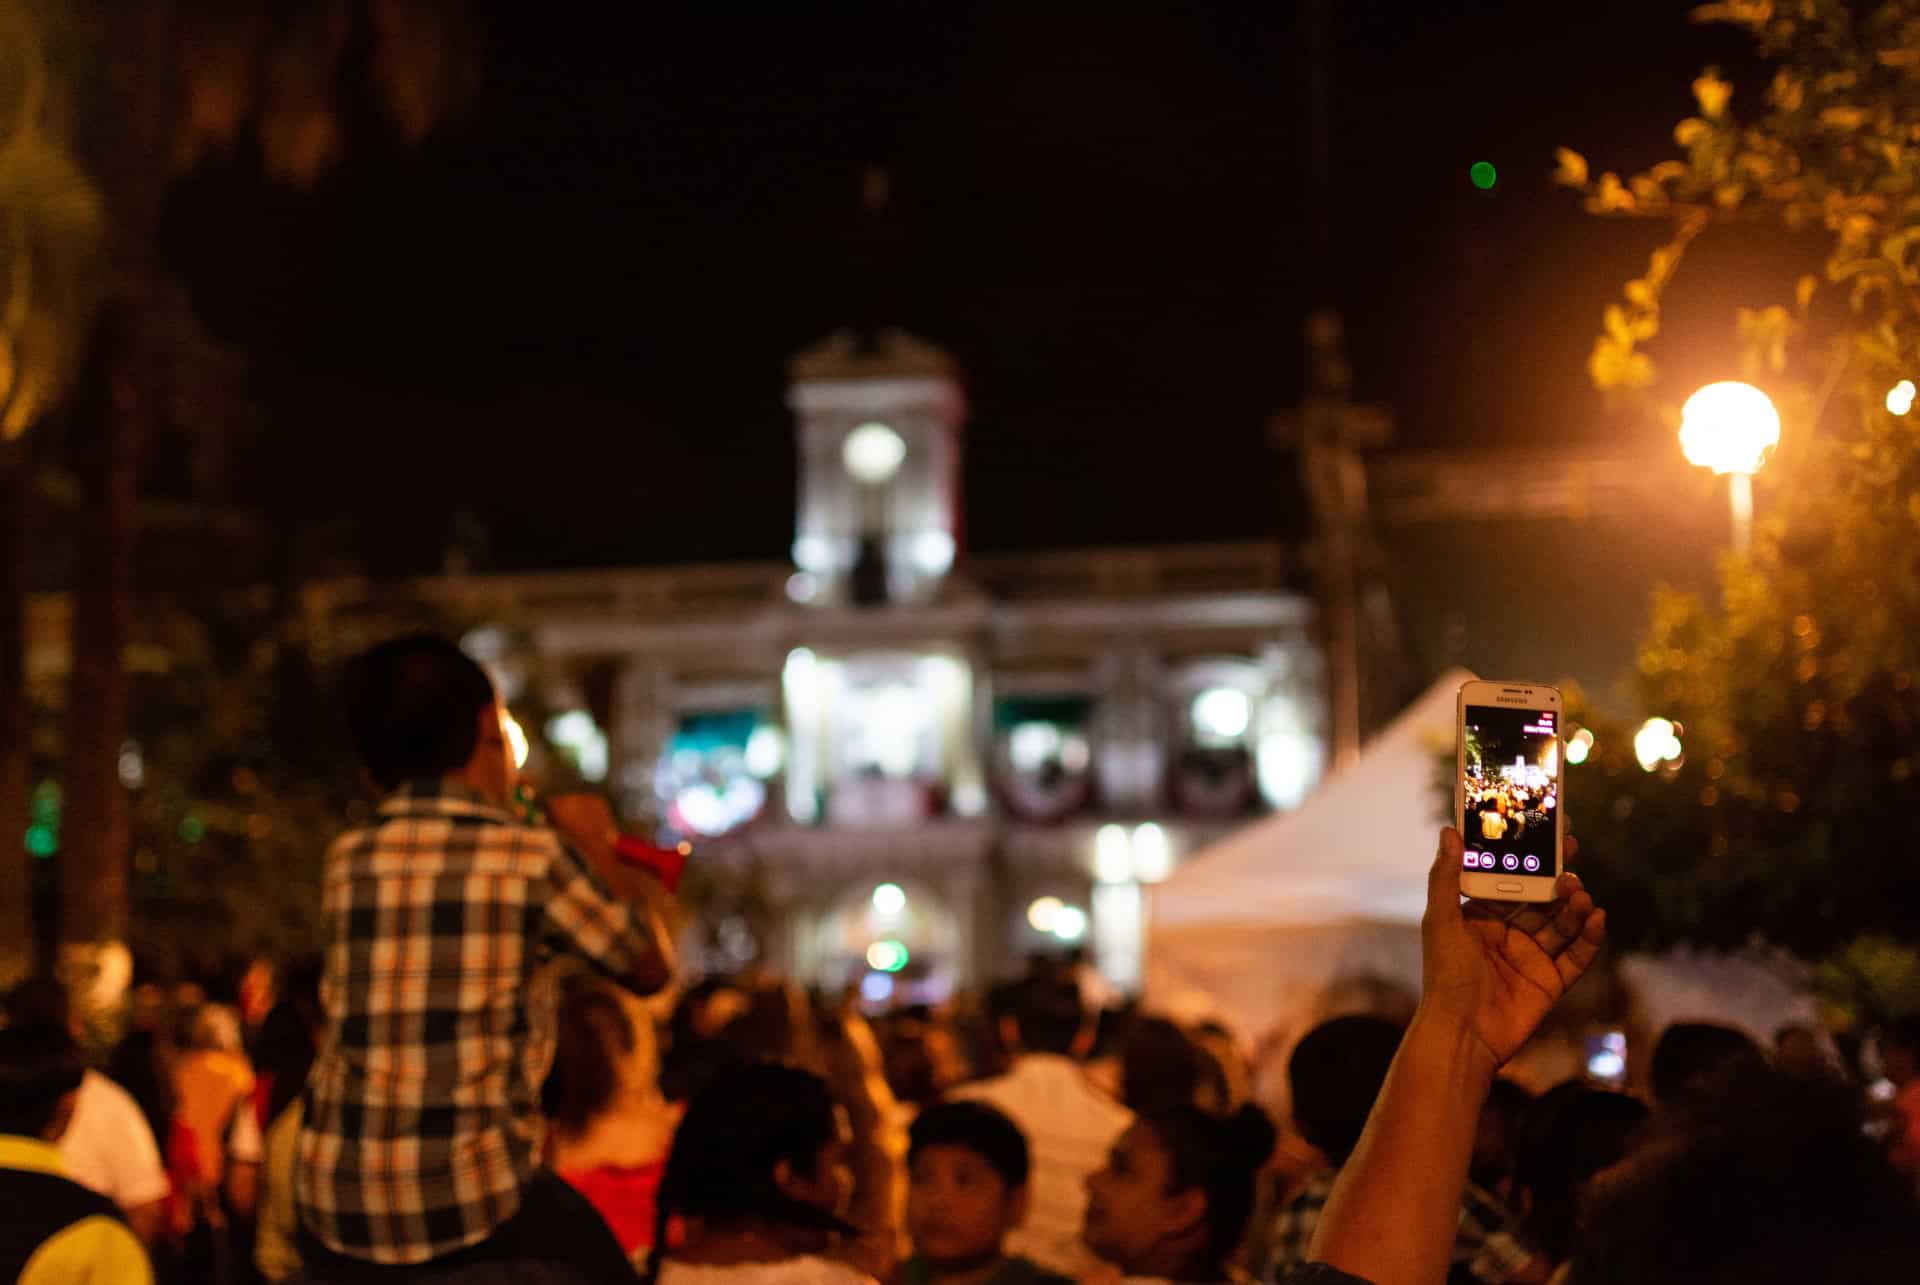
(740, 1125)
(982, 1129)
(413, 708)
(1223, 1156)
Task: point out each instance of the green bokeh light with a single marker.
(42, 840)
(887, 956)
(1484, 175)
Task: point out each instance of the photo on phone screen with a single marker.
(1510, 790)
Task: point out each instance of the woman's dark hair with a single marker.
(1222, 1156)
(1160, 1067)
(739, 1127)
(594, 1035)
(413, 708)
(1568, 1135)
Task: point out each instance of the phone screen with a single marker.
(1607, 1058)
(1511, 789)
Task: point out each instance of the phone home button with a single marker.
(1509, 885)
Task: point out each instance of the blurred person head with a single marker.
(289, 1037)
(1228, 1067)
(776, 1025)
(1176, 1192)
(1570, 1134)
(1900, 1050)
(1045, 1015)
(967, 1167)
(1800, 1049)
(419, 708)
(40, 1071)
(1496, 1135)
(41, 1000)
(142, 1064)
(604, 1055)
(1691, 1054)
(1335, 1074)
(1160, 1066)
(761, 1147)
(922, 1060)
(211, 1027)
(1763, 1178)
(695, 1049)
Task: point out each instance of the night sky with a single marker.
(570, 314)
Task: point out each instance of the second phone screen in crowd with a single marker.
(1511, 789)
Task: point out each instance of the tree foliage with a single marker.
(1795, 814)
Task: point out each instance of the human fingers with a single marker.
(1584, 949)
(1443, 877)
(1563, 919)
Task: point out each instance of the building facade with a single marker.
(901, 767)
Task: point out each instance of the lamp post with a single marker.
(1731, 428)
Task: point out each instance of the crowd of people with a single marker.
(1500, 807)
(493, 1075)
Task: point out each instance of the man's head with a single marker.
(1335, 1073)
(1045, 1015)
(1693, 1054)
(967, 1166)
(419, 708)
(40, 1070)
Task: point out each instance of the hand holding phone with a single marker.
(1508, 791)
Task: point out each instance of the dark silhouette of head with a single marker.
(40, 1070)
(414, 706)
(1335, 1074)
(1568, 1135)
(1160, 1067)
(1048, 1016)
(1690, 1054)
(752, 1136)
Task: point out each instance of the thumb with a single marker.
(1443, 879)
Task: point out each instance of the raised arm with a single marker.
(1487, 983)
(607, 910)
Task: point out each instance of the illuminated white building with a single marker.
(902, 766)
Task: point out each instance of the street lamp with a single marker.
(1731, 428)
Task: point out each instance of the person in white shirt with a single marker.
(108, 1147)
(1070, 1124)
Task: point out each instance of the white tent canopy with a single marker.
(1259, 925)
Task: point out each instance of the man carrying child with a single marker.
(422, 1131)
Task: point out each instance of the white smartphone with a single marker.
(1507, 793)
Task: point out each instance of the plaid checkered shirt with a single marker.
(1479, 1240)
(422, 1116)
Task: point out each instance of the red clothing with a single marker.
(624, 1195)
(1905, 1141)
